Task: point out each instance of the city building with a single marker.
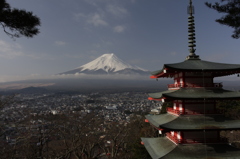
(191, 127)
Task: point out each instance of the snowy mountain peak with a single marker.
(108, 63)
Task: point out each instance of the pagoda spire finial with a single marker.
(191, 33)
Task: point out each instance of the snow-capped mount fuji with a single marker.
(107, 64)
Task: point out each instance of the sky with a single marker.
(145, 33)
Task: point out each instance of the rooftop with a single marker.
(163, 148)
(197, 93)
(193, 122)
(217, 69)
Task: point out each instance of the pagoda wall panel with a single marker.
(194, 136)
(198, 82)
(198, 74)
(200, 136)
(199, 108)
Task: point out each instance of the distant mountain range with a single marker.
(107, 64)
(106, 73)
(31, 90)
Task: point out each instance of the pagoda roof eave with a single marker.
(190, 122)
(163, 148)
(197, 65)
(158, 147)
(157, 120)
(196, 93)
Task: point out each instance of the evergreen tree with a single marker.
(231, 8)
(16, 22)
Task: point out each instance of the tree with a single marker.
(16, 22)
(231, 8)
(4, 100)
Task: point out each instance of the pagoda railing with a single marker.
(171, 110)
(201, 112)
(179, 85)
(201, 140)
(173, 138)
(195, 140)
(191, 112)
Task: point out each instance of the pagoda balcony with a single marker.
(195, 140)
(201, 140)
(173, 138)
(174, 86)
(195, 112)
(173, 111)
(191, 112)
(195, 85)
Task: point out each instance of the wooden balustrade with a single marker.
(191, 112)
(179, 85)
(201, 140)
(195, 140)
(171, 110)
(173, 138)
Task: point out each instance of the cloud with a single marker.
(116, 10)
(10, 51)
(95, 19)
(119, 29)
(91, 2)
(60, 43)
(105, 14)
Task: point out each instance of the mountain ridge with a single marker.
(107, 64)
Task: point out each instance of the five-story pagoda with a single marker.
(191, 128)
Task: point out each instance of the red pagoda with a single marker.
(191, 128)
